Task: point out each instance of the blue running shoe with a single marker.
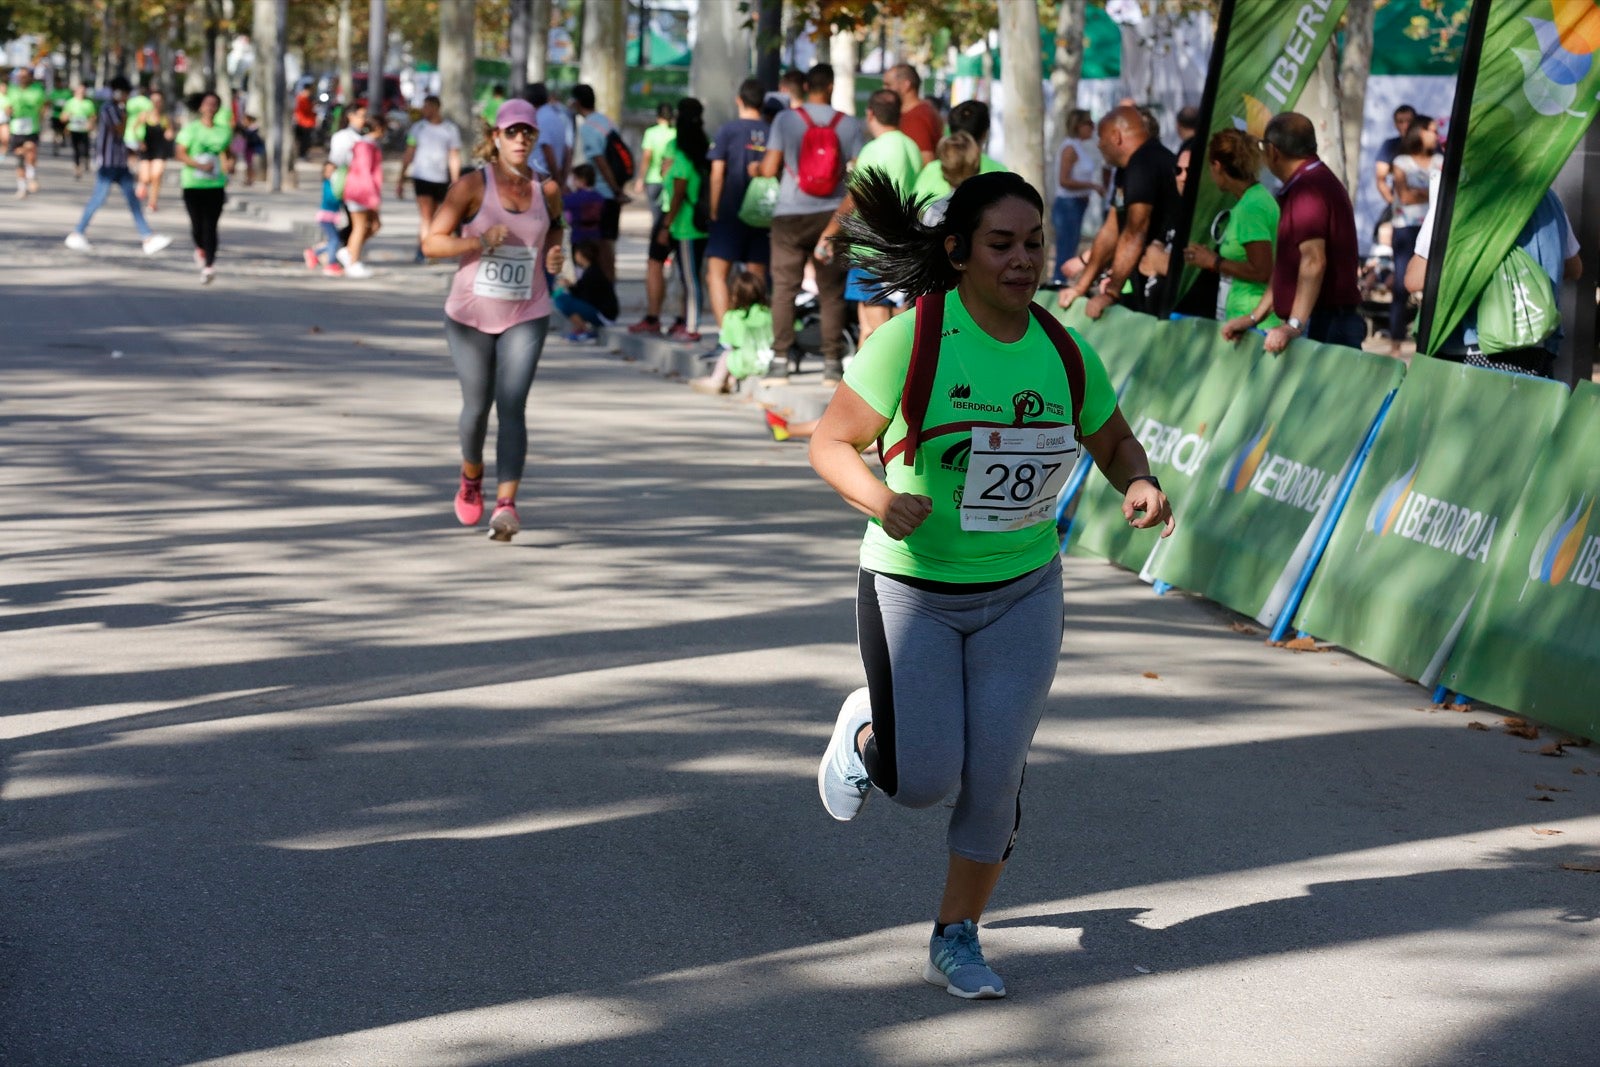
(842, 779)
(955, 961)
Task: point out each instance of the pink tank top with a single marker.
(494, 291)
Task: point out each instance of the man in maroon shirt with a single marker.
(1313, 286)
(918, 119)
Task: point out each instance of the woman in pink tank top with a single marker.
(498, 310)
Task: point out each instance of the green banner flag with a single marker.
(1533, 641)
(1537, 87)
(1420, 534)
(1268, 51)
(1174, 400)
(1268, 483)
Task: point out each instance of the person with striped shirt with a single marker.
(111, 162)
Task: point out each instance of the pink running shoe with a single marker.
(650, 326)
(503, 524)
(312, 262)
(469, 501)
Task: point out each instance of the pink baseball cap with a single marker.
(516, 112)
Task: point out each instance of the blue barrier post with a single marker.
(1325, 534)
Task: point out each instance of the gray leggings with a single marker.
(958, 684)
(496, 369)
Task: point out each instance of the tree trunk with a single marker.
(377, 42)
(456, 44)
(521, 29)
(347, 55)
(1024, 92)
(605, 41)
(769, 42)
(842, 54)
(224, 41)
(1354, 67)
(1064, 79)
(1330, 123)
(539, 41)
(720, 61)
(266, 83)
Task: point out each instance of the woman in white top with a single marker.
(1409, 176)
(1078, 175)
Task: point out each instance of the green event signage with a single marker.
(1533, 641)
(1427, 520)
(1184, 382)
(1537, 89)
(1269, 480)
(1119, 337)
(1268, 53)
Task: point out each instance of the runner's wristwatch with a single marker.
(1151, 478)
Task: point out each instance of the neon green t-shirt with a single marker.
(79, 114)
(198, 140)
(658, 141)
(931, 181)
(896, 155)
(137, 105)
(746, 334)
(978, 379)
(1253, 218)
(681, 225)
(27, 109)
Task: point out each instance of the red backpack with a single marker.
(821, 159)
(924, 364)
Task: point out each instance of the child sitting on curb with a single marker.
(746, 337)
(591, 302)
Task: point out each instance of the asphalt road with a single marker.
(294, 770)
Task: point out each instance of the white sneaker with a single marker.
(343, 256)
(842, 780)
(207, 274)
(78, 242)
(357, 269)
(152, 244)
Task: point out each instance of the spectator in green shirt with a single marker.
(972, 118)
(899, 159)
(1242, 259)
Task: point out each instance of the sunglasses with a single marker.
(521, 130)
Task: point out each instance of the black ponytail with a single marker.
(901, 245)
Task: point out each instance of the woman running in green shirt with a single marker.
(959, 602)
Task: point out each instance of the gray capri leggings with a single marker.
(958, 684)
(496, 369)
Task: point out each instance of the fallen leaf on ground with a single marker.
(1151, 674)
(1592, 868)
(1574, 742)
(1475, 725)
(1243, 628)
(1546, 833)
(315, 329)
(1525, 730)
(1579, 770)
(1545, 797)
(1551, 788)
(1552, 749)
(1301, 644)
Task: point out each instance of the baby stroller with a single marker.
(808, 330)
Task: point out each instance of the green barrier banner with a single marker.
(1269, 49)
(1119, 337)
(1533, 641)
(1428, 516)
(1174, 401)
(1536, 91)
(1269, 480)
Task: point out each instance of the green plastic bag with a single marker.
(760, 199)
(1518, 306)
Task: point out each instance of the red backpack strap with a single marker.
(838, 117)
(919, 376)
(1071, 359)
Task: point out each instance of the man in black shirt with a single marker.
(1145, 207)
